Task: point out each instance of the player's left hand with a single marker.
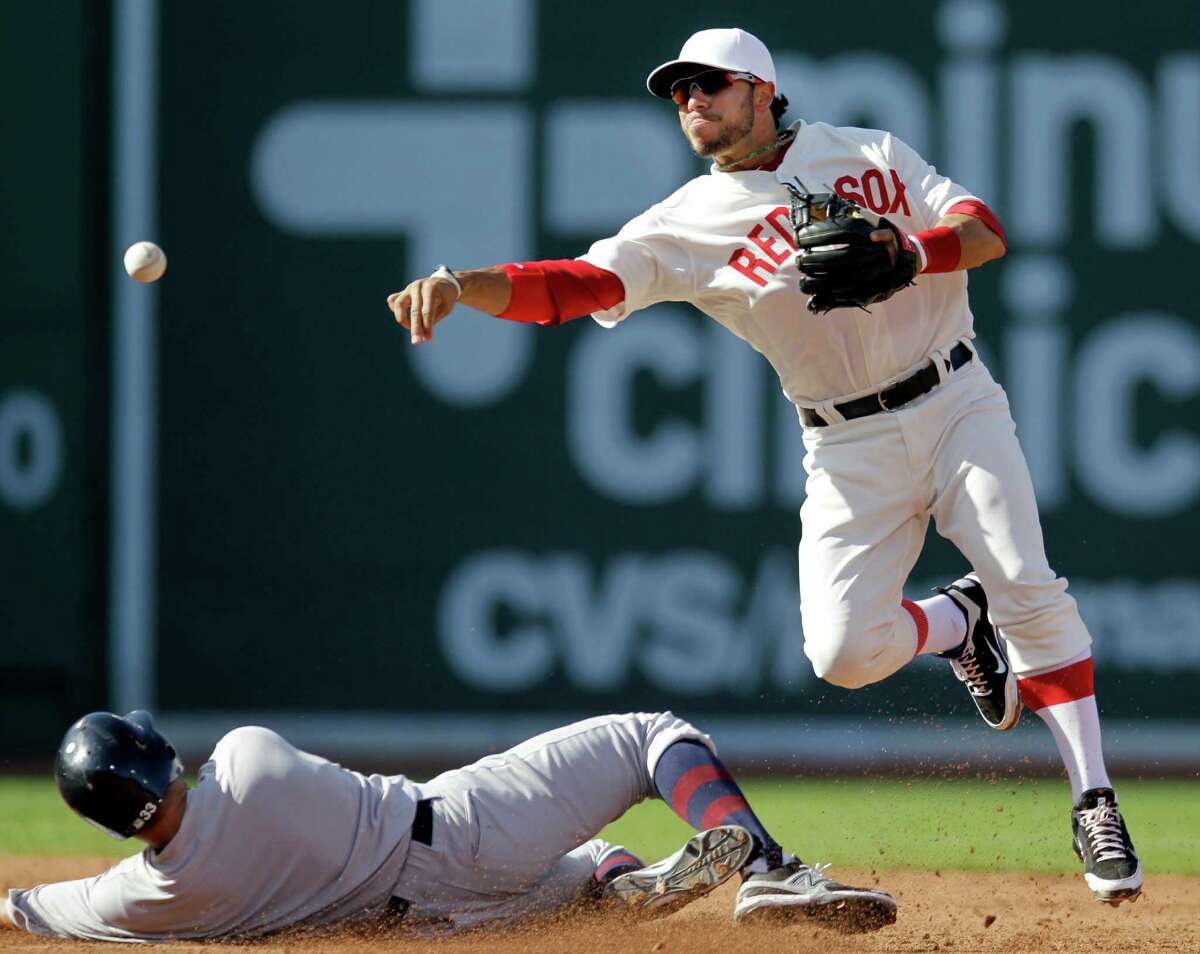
(887, 238)
(847, 257)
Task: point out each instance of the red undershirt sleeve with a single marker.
(557, 290)
(977, 210)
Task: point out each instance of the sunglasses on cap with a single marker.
(709, 82)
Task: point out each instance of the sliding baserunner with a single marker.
(272, 837)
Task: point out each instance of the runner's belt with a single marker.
(901, 393)
(422, 833)
(422, 829)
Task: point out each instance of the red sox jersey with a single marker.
(723, 243)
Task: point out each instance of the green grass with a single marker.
(34, 821)
(947, 825)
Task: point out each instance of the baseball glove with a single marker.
(840, 266)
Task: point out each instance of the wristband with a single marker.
(942, 249)
(922, 255)
(443, 272)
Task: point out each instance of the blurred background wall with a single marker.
(240, 495)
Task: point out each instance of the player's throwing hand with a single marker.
(425, 302)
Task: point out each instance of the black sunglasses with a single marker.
(708, 82)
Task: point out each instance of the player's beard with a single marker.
(737, 129)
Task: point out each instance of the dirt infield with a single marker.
(953, 912)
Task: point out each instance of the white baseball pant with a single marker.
(510, 832)
(874, 482)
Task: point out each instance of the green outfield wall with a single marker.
(53, 370)
(512, 524)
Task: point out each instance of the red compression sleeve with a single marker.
(551, 292)
(977, 210)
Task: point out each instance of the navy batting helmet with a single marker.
(114, 771)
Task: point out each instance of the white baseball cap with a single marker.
(729, 49)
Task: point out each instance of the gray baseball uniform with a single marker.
(274, 837)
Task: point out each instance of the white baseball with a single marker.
(145, 262)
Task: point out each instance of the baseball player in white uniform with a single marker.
(901, 420)
(272, 838)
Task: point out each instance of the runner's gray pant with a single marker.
(511, 832)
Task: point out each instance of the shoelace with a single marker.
(816, 872)
(967, 667)
(1102, 825)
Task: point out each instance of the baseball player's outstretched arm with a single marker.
(546, 292)
(426, 301)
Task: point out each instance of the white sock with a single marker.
(946, 623)
(1075, 726)
(1064, 698)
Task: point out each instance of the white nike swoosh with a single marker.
(1001, 666)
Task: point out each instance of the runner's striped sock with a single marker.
(615, 861)
(701, 791)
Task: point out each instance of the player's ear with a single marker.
(764, 95)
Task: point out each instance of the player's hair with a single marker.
(779, 106)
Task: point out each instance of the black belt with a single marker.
(422, 829)
(901, 393)
(422, 833)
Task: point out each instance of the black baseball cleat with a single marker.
(1111, 867)
(981, 661)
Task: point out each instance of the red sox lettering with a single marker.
(746, 262)
(874, 194)
(769, 253)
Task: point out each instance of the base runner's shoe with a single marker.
(795, 891)
(709, 859)
(1111, 867)
(981, 661)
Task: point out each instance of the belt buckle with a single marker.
(882, 402)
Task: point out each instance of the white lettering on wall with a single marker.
(970, 97)
(462, 45)
(690, 614)
(336, 169)
(1113, 466)
(482, 585)
(588, 141)
(31, 449)
(687, 622)
(1037, 290)
(610, 453)
(596, 620)
(1179, 135)
(1165, 616)
(691, 622)
(734, 395)
(723, 452)
(1051, 95)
